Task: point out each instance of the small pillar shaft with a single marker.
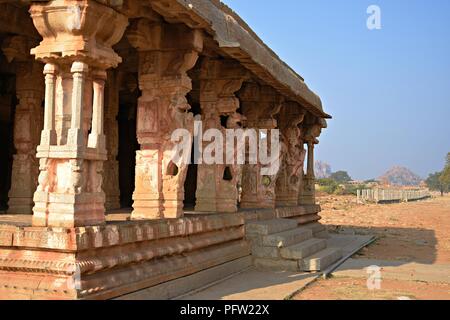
(48, 136)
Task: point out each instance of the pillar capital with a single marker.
(78, 30)
(50, 69)
(17, 47)
(314, 130)
(260, 105)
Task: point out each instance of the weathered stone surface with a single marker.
(321, 260)
(174, 52)
(265, 252)
(270, 226)
(77, 49)
(260, 105)
(290, 175)
(303, 249)
(158, 271)
(162, 109)
(306, 219)
(315, 227)
(239, 41)
(287, 238)
(276, 264)
(184, 285)
(219, 81)
(172, 247)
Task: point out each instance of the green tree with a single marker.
(444, 178)
(434, 182)
(328, 185)
(341, 177)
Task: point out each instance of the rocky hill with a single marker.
(322, 170)
(400, 176)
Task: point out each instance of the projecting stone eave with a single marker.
(236, 39)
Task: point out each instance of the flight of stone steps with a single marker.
(281, 244)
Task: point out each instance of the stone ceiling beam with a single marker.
(238, 41)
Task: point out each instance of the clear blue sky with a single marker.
(388, 90)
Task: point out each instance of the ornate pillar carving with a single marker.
(293, 155)
(307, 195)
(111, 166)
(76, 47)
(166, 53)
(217, 184)
(260, 105)
(28, 123)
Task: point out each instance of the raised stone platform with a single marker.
(121, 257)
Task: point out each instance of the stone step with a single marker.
(321, 260)
(303, 249)
(287, 238)
(315, 227)
(267, 227)
(277, 264)
(318, 229)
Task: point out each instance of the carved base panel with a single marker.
(108, 261)
(287, 199)
(206, 205)
(214, 193)
(258, 191)
(146, 207)
(307, 198)
(206, 193)
(103, 262)
(67, 210)
(147, 195)
(308, 194)
(173, 206)
(227, 205)
(254, 203)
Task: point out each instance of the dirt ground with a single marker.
(356, 289)
(416, 232)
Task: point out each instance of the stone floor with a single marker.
(23, 220)
(119, 215)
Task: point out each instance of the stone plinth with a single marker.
(112, 260)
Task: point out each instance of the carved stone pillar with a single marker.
(76, 47)
(293, 154)
(166, 53)
(111, 166)
(27, 123)
(307, 196)
(217, 184)
(260, 105)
